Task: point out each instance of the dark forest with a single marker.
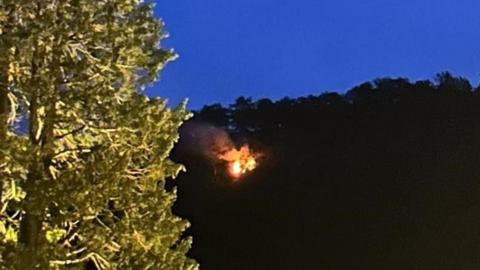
(385, 176)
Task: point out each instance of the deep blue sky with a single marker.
(277, 48)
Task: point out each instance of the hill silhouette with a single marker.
(386, 176)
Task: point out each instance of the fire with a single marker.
(240, 161)
(236, 168)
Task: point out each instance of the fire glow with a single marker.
(240, 161)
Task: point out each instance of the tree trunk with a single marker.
(3, 110)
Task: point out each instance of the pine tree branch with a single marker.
(73, 132)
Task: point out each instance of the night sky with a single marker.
(277, 48)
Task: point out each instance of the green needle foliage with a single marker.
(83, 186)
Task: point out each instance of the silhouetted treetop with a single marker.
(386, 93)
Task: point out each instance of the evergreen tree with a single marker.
(83, 185)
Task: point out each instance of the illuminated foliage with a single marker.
(83, 184)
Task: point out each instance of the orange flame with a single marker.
(240, 161)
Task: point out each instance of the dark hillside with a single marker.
(386, 176)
